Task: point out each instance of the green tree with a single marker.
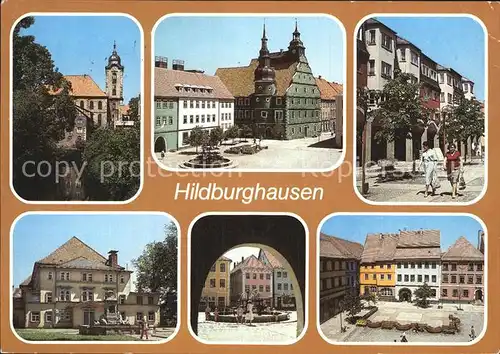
(351, 304)
(231, 133)
(216, 136)
(156, 269)
(278, 131)
(134, 108)
(246, 131)
(196, 137)
(42, 111)
(113, 164)
(423, 293)
(370, 298)
(465, 119)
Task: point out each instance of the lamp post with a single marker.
(341, 305)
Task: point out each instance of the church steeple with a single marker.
(264, 71)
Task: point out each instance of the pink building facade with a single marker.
(251, 279)
(462, 278)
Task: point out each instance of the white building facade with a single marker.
(414, 273)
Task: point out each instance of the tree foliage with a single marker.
(113, 164)
(231, 133)
(423, 293)
(216, 136)
(134, 110)
(370, 298)
(465, 119)
(156, 267)
(40, 118)
(196, 138)
(351, 303)
(246, 131)
(400, 107)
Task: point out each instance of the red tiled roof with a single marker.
(252, 262)
(167, 79)
(76, 254)
(419, 238)
(240, 80)
(83, 86)
(328, 90)
(26, 281)
(334, 247)
(273, 261)
(379, 248)
(462, 249)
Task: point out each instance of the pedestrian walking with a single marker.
(216, 314)
(403, 337)
(162, 154)
(144, 328)
(472, 334)
(453, 166)
(207, 313)
(429, 162)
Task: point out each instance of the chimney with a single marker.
(319, 77)
(161, 62)
(242, 259)
(113, 258)
(178, 64)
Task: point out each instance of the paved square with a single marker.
(306, 153)
(471, 315)
(219, 332)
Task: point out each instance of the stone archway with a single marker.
(405, 295)
(478, 295)
(213, 235)
(160, 144)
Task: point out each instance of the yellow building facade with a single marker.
(216, 292)
(379, 278)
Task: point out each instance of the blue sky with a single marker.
(456, 42)
(81, 45)
(36, 236)
(356, 227)
(208, 43)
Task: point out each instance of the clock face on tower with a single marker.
(260, 88)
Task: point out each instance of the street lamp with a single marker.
(341, 305)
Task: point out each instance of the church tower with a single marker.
(296, 47)
(114, 86)
(265, 84)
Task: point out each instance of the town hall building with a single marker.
(276, 95)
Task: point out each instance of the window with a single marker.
(203, 104)
(35, 316)
(466, 88)
(426, 278)
(190, 119)
(386, 42)
(278, 274)
(222, 283)
(285, 275)
(48, 296)
(261, 288)
(99, 104)
(389, 276)
(414, 58)
(419, 278)
(434, 278)
(285, 286)
(448, 79)
(247, 288)
(170, 104)
(197, 104)
(164, 120)
(442, 97)
(450, 98)
(49, 276)
(444, 293)
(91, 104)
(453, 279)
(371, 67)
(139, 316)
(247, 275)
(122, 279)
(461, 279)
(151, 316)
(64, 295)
(386, 70)
(412, 278)
(479, 267)
(268, 276)
(445, 278)
(197, 119)
(426, 265)
(403, 54)
(382, 276)
(454, 267)
(470, 279)
(371, 37)
(268, 289)
(121, 299)
(407, 277)
(185, 119)
(254, 287)
(433, 265)
(399, 265)
(254, 275)
(455, 292)
(412, 265)
(87, 295)
(479, 279)
(222, 267)
(406, 264)
(374, 276)
(213, 118)
(470, 267)
(203, 118)
(466, 293)
(279, 285)
(87, 276)
(212, 283)
(139, 300)
(263, 114)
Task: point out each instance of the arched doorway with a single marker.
(405, 295)
(270, 134)
(213, 235)
(478, 296)
(160, 144)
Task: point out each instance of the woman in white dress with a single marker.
(249, 314)
(429, 162)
